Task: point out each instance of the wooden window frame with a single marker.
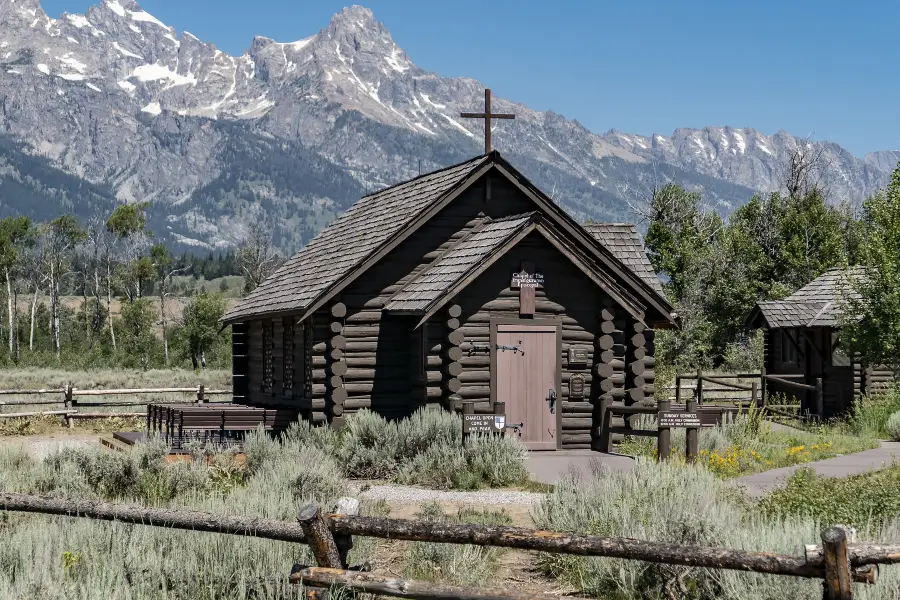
(288, 328)
(837, 350)
(268, 363)
(790, 345)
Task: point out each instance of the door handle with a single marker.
(551, 398)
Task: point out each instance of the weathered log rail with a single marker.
(837, 561)
(733, 389)
(68, 398)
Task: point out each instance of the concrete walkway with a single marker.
(550, 466)
(839, 466)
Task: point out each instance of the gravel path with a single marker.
(408, 495)
(839, 466)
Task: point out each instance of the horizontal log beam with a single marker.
(429, 531)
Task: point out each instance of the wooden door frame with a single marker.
(554, 322)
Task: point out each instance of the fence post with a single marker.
(699, 392)
(319, 537)
(820, 399)
(754, 396)
(201, 394)
(677, 389)
(692, 434)
(605, 422)
(68, 403)
(837, 585)
(468, 409)
(664, 435)
(350, 507)
(763, 387)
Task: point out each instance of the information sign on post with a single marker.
(484, 424)
(678, 419)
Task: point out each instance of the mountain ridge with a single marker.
(117, 98)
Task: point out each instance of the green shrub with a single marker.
(864, 500)
(453, 563)
(483, 462)
(369, 446)
(871, 414)
(893, 427)
(425, 449)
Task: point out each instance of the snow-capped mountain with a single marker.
(124, 107)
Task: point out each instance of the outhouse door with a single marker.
(527, 380)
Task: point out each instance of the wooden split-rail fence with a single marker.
(71, 401)
(838, 561)
(718, 394)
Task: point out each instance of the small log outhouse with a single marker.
(467, 284)
(802, 337)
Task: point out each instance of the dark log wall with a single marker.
(372, 339)
(619, 357)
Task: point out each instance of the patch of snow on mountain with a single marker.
(4, 44)
(114, 6)
(127, 86)
(741, 144)
(125, 52)
(301, 44)
(79, 21)
(43, 68)
(73, 63)
(427, 99)
(156, 72)
(394, 61)
(93, 87)
(153, 108)
(454, 122)
(71, 76)
(145, 17)
(14, 72)
(254, 111)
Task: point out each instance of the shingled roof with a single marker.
(624, 241)
(370, 227)
(457, 263)
(349, 240)
(817, 304)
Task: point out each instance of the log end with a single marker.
(307, 513)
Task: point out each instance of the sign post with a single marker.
(689, 419)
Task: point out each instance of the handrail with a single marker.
(791, 384)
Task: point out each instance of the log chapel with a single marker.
(467, 284)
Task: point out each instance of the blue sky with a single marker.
(825, 69)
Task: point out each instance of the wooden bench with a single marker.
(221, 423)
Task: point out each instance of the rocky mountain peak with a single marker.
(116, 99)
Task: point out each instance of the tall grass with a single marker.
(871, 414)
(462, 565)
(683, 505)
(57, 557)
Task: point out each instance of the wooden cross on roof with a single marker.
(487, 115)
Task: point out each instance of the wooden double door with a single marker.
(527, 380)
